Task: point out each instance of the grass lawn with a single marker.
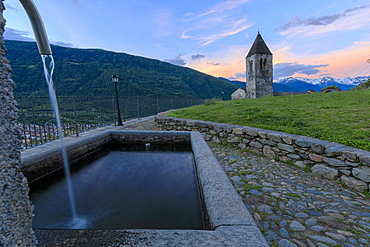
(342, 117)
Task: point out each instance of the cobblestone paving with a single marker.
(295, 208)
(292, 207)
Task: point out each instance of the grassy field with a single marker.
(342, 117)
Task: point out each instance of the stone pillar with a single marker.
(15, 206)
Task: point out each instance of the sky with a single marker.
(311, 39)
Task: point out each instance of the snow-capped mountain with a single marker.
(302, 84)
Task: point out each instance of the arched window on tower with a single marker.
(250, 69)
(263, 62)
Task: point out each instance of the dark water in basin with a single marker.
(126, 190)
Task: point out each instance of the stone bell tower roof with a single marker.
(259, 47)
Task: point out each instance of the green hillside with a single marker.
(341, 117)
(88, 72)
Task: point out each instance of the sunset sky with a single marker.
(310, 39)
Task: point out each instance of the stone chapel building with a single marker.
(259, 70)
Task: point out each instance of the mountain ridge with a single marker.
(301, 84)
(346, 81)
(88, 72)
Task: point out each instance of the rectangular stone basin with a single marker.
(123, 186)
(229, 222)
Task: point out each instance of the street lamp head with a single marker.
(115, 79)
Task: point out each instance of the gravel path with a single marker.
(292, 207)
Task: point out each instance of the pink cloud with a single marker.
(351, 61)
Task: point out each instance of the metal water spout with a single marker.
(37, 26)
(46, 54)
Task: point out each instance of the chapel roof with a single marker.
(259, 47)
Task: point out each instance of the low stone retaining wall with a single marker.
(328, 159)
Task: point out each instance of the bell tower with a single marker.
(259, 69)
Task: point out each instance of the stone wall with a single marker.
(328, 159)
(16, 208)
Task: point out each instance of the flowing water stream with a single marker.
(76, 221)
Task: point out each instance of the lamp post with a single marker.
(115, 81)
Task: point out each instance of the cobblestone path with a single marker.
(295, 208)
